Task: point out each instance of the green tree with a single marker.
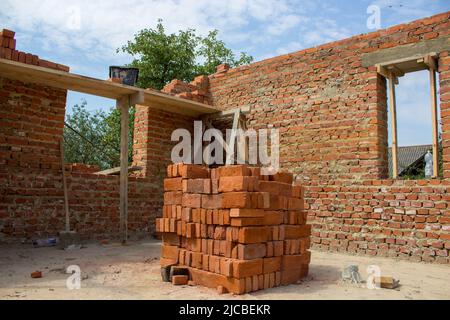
(163, 57)
(214, 52)
(94, 137)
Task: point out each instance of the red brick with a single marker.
(247, 268)
(8, 34)
(212, 201)
(237, 200)
(226, 267)
(296, 232)
(237, 184)
(191, 200)
(247, 222)
(172, 198)
(271, 265)
(275, 188)
(297, 192)
(202, 186)
(232, 171)
(173, 184)
(292, 262)
(250, 235)
(190, 171)
(247, 213)
(180, 280)
(169, 252)
(272, 218)
(251, 251)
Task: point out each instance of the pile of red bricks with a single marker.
(234, 228)
(197, 90)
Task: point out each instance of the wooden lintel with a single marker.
(396, 71)
(386, 73)
(116, 171)
(431, 62)
(131, 100)
(230, 112)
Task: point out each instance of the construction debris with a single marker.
(387, 282)
(351, 275)
(180, 280)
(36, 274)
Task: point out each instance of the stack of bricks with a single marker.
(197, 90)
(8, 51)
(234, 228)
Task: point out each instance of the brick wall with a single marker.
(31, 193)
(31, 125)
(32, 204)
(332, 116)
(406, 219)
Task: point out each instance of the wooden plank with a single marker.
(385, 73)
(103, 88)
(116, 171)
(242, 143)
(124, 128)
(66, 196)
(393, 111)
(230, 153)
(434, 119)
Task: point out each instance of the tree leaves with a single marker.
(160, 57)
(94, 138)
(163, 57)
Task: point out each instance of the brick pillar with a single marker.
(444, 80)
(381, 122)
(152, 145)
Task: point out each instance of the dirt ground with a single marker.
(132, 272)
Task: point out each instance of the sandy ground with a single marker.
(132, 272)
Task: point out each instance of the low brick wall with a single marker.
(408, 219)
(32, 205)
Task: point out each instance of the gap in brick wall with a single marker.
(91, 135)
(413, 110)
(414, 121)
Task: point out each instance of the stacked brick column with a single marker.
(444, 78)
(234, 228)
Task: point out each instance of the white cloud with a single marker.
(285, 24)
(108, 24)
(289, 48)
(324, 30)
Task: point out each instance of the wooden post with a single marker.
(434, 119)
(231, 151)
(393, 111)
(123, 105)
(66, 196)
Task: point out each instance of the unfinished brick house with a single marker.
(330, 104)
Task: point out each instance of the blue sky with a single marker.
(85, 34)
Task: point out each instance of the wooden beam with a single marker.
(116, 171)
(230, 153)
(103, 88)
(124, 130)
(393, 111)
(226, 113)
(66, 195)
(434, 119)
(396, 71)
(386, 73)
